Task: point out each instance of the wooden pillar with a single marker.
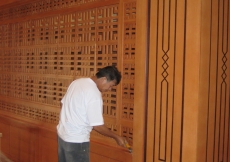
(140, 96)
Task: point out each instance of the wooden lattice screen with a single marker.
(47, 44)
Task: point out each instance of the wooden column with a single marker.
(141, 67)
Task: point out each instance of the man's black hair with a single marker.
(111, 73)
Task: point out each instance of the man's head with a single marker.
(108, 77)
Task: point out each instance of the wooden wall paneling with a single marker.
(7, 2)
(122, 124)
(165, 81)
(140, 86)
(20, 140)
(106, 53)
(206, 81)
(48, 150)
(46, 45)
(128, 67)
(191, 81)
(27, 147)
(222, 109)
(86, 36)
(214, 127)
(188, 107)
(107, 154)
(28, 142)
(39, 9)
(14, 143)
(11, 3)
(5, 139)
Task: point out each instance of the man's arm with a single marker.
(102, 129)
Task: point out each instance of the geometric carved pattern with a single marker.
(130, 11)
(163, 124)
(85, 60)
(218, 129)
(107, 50)
(29, 112)
(40, 57)
(107, 24)
(86, 26)
(33, 88)
(109, 100)
(128, 97)
(41, 7)
(106, 36)
(67, 28)
(166, 112)
(128, 74)
(127, 111)
(163, 94)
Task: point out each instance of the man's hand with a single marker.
(121, 141)
(102, 129)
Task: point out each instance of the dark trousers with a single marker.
(73, 152)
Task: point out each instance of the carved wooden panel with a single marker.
(47, 44)
(41, 6)
(188, 82)
(216, 88)
(165, 75)
(129, 31)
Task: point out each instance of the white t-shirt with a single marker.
(81, 110)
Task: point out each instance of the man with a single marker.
(81, 112)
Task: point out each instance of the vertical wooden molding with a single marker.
(191, 86)
(140, 81)
(205, 75)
